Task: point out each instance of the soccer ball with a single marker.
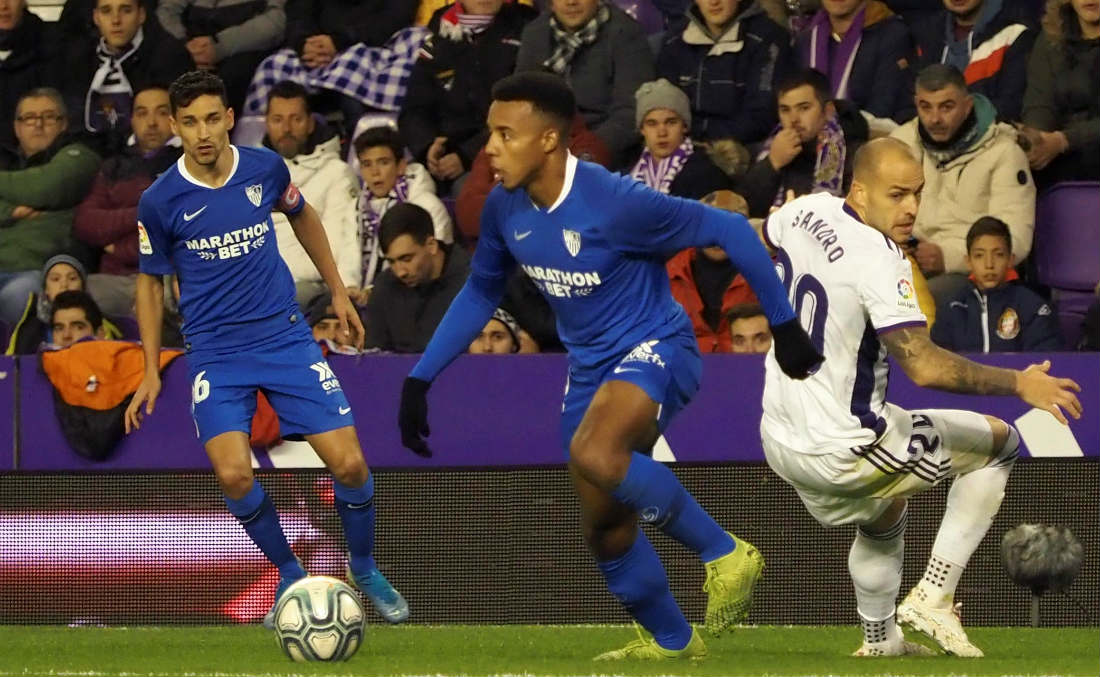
(319, 619)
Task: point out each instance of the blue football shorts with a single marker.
(667, 369)
(291, 372)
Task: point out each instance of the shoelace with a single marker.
(640, 643)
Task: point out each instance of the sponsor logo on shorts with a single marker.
(328, 380)
(643, 353)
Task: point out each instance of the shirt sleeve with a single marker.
(889, 296)
(492, 259)
(154, 244)
(772, 230)
(475, 302)
(654, 224)
(290, 200)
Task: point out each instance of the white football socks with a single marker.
(972, 503)
(874, 563)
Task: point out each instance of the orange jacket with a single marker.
(99, 375)
(682, 282)
(93, 382)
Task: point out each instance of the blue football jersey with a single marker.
(221, 244)
(598, 256)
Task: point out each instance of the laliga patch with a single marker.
(144, 245)
(907, 296)
(291, 196)
(1008, 327)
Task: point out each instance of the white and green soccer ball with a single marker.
(319, 619)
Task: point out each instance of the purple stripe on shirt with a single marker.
(901, 325)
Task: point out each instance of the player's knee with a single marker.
(598, 459)
(235, 482)
(1006, 443)
(350, 470)
(890, 524)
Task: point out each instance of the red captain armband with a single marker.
(290, 200)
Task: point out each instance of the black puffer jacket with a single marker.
(449, 89)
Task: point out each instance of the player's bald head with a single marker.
(875, 157)
(886, 187)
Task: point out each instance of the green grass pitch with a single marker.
(522, 650)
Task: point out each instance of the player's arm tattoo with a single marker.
(933, 367)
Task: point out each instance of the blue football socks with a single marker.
(638, 580)
(654, 492)
(356, 509)
(257, 515)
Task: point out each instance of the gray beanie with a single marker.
(661, 94)
(65, 258)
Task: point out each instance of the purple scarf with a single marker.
(659, 174)
(369, 222)
(829, 166)
(816, 50)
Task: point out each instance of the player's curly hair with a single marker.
(546, 92)
(194, 84)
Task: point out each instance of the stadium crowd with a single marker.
(378, 108)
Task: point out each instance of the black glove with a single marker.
(795, 353)
(412, 417)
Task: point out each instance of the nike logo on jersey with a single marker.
(192, 215)
(623, 370)
(344, 410)
(520, 236)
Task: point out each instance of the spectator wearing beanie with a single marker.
(60, 274)
(500, 336)
(670, 162)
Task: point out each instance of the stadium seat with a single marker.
(1067, 239)
(249, 131)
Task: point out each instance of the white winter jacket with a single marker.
(422, 194)
(330, 185)
(991, 178)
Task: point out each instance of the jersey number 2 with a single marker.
(803, 289)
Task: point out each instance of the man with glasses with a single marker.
(40, 184)
(29, 47)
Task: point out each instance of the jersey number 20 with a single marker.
(802, 290)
